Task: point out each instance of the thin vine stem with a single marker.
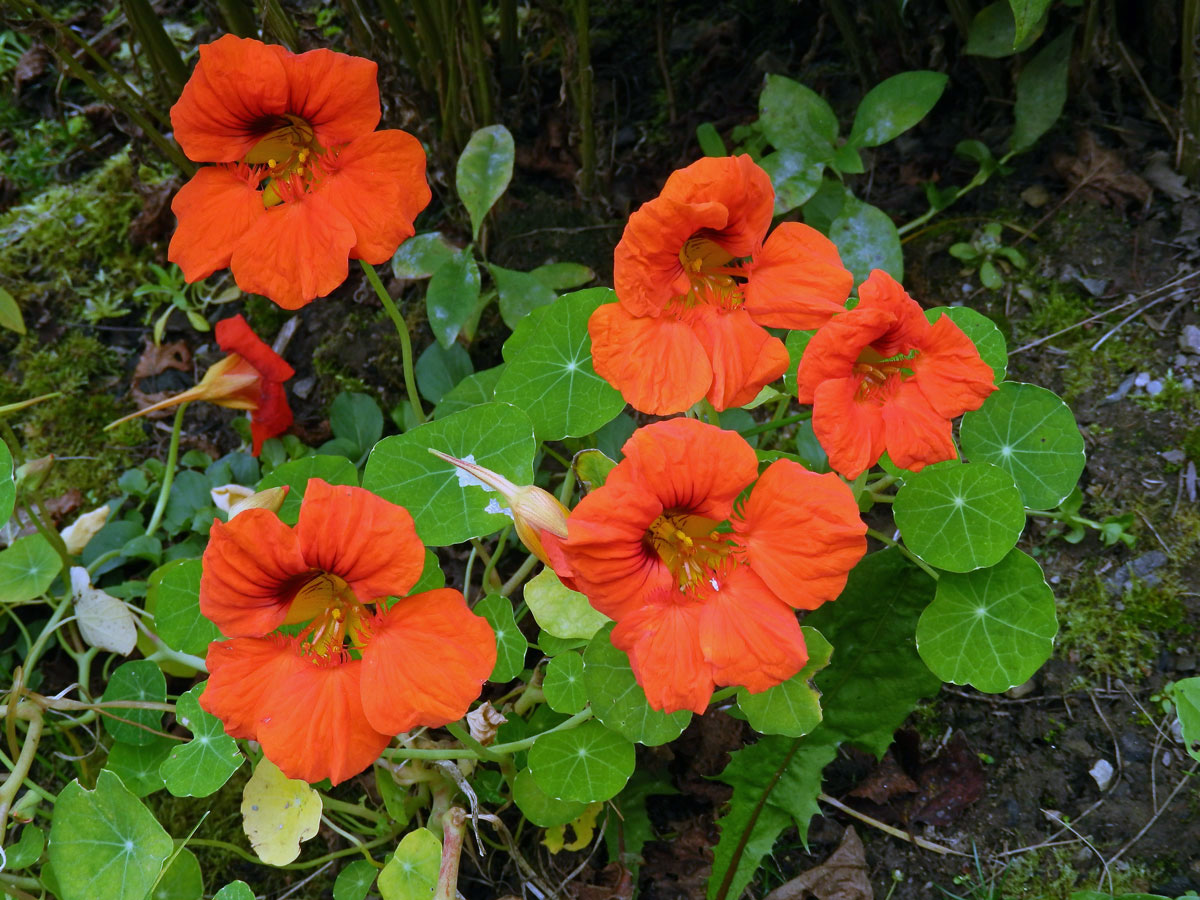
(406, 351)
(905, 552)
(169, 474)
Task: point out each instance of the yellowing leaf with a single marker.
(103, 620)
(412, 872)
(278, 813)
(583, 827)
(559, 610)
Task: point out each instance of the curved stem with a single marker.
(776, 423)
(8, 790)
(908, 554)
(406, 351)
(169, 475)
(504, 749)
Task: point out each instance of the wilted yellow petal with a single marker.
(78, 533)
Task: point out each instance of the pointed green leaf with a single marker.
(551, 376)
(586, 763)
(484, 170)
(563, 276)
(452, 296)
(794, 176)
(893, 106)
(867, 239)
(792, 708)
(982, 331)
(619, 701)
(27, 568)
(519, 292)
(439, 369)
(295, 474)
(510, 643)
(174, 596)
(1031, 434)
(1042, 92)
(993, 32)
(105, 843)
(421, 256)
(1030, 16)
(447, 504)
(412, 872)
(356, 418)
(991, 628)
(795, 117)
(139, 680)
(199, 767)
(563, 684)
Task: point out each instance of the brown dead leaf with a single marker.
(1100, 173)
(30, 66)
(156, 220)
(886, 781)
(157, 359)
(63, 505)
(949, 783)
(613, 882)
(841, 877)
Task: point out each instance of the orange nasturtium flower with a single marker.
(696, 284)
(880, 377)
(704, 593)
(324, 703)
(251, 377)
(302, 180)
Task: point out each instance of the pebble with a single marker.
(1141, 379)
(1189, 340)
(1154, 387)
(1102, 772)
(1143, 568)
(1175, 457)
(304, 386)
(1188, 383)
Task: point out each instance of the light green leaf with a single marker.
(982, 331)
(174, 595)
(539, 807)
(8, 487)
(1185, 694)
(25, 850)
(439, 369)
(141, 680)
(893, 106)
(354, 881)
(563, 684)
(182, 879)
(619, 701)
(794, 117)
(484, 170)
(27, 568)
(510, 643)
(585, 763)
(412, 872)
(452, 296)
(189, 493)
(559, 610)
(519, 292)
(792, 708)
(1031, 434)
(991, 628)
(960, 517)
(993, 33)
(10, 314)
(1042, 92)
(794, 176)
(295, 474)
(592, 468)
(421, 256)
(551, 376)
(563, 276)
(356, 418)
(239, 890)
(1030, 16)
(709, 140)
(105, 843)
(867, 239)
(471, 391)
(199, 767)
(447, 504)
(137, 766)
(526, 329)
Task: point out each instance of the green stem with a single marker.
(904, 551)
(502, 749)
(169, 475)
(518, 577)
(776, 423)
(351, 809)
(494, 558)
(550, 451)
(406, 351)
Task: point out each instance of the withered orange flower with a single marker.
(302, 181)
(251, 377)
(704, 593)
(881, 378)
(696, 284)
(324, 703)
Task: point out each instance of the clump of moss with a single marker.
(1050, 874)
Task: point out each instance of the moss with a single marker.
(1052, 874)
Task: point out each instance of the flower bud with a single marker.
(271, 500)
(31, 475)
(535, 512)
(78, 533)
(227, 496)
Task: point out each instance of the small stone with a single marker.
(1154, 388)
(1102, 773)
(1119, 394)
(1185, 662)
(1175, 457)
(1167, 758)
(1189, 340)
(1181, 360)
(1036, 196)
(1021, 690)
(1142, 379)
(1188, 383)
(304, 386)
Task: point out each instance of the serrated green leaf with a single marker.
(438, 370)
(792, 708)
(987, 338)
(586, 763)
(559, 610)
(993, 32)
(412, 872)
(991, 628)
(484, 170)
(867, 239)
(354, 881)
(296, 474)
(510, 643)
(10, 314)
(1031, 434)
(539, 807)
(447, 504)
(421, 256)
(795, 117)
(619, 701)
(563, 684)
(27, 568)
(140, 680)
(356, 418)
(551, 376)
(960, 517)
(199, 767)
(794, 176)
(105, 843)
(519, 293)
(182, 879)
(471, 391)
(895, 105)
(452, 296)
(174, 595)
(1042, 92)
(137, 766)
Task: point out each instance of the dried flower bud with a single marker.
(271, 500)
(78, 533)
(484, 721)
(535, 512)
(31, 475)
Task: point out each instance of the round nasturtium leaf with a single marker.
(412, 872)
(174, 594)
(539, 807)
(182, 879)
(27, 568)
(105, 843)
(510, 643)
(476, 388)
(551, 376)
(991, 628)
(354, 881)
(26, 849)
(619, 701)
(239, 890)
(1030, 433)
(792, 708)
(585, 763)
(563, 684)
(137, 765)
(140, 680)
(278, 813)
(447, 504)
(987, 338)
(295, 474)
(960, 517)
(203, 764)
(559, 610)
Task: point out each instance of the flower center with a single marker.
(690, 546)
(335, 612)
(291, 157)
(876, 371)
(712, 280)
